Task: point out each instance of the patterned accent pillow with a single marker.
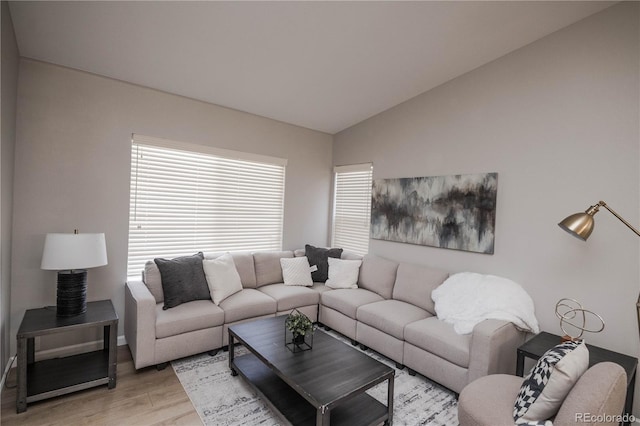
(296, 271)
(343, 273)
(550, 381)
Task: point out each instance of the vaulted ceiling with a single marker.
(321, 65)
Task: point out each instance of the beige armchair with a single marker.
(596, 399)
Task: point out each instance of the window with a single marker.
(352, 207)
(188, 198)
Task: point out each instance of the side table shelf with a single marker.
(59, 376)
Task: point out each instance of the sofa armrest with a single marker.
(140, 323)
(494, 345)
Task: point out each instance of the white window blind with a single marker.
(188, 198)
(352, 207)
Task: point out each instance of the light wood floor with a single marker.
(145, 397)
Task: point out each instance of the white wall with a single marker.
(73, 162)
(558, 120)
(9, 75)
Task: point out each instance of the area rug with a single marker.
(223, 400)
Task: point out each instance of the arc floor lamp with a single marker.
(580, 225)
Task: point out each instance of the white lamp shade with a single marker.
(73, 251)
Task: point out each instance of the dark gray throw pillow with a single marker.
(318, 256)
(183, 280)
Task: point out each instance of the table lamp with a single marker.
(71, 255)
(580, 225)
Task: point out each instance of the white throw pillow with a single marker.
(549, 382)
(343, 273)
(152, 278)
(296, 271)
(222, 277)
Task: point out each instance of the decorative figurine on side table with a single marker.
(568, 310)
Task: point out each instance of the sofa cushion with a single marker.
(320, 287)
(440, 339)
(267, 265)
(319, 256)
(222, 277)
(343, 273)
(347, 301)
(488, 400)
(378, 275)
(390, 316)
(296, 271)
(152, 279)
(247, 303)
(414, 284)
(244, 265)
(183, 280)
(289, 297)
(192, 316)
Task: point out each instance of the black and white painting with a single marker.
(454, 212)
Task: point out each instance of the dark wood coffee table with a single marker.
(322, 386)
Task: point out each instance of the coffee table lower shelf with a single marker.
(359, 410)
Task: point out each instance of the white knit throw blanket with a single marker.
(467, 298)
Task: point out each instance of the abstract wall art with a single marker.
(454, 212)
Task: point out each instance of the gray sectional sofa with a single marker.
(390, 312)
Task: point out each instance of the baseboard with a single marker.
(74, 349)
(60, 352)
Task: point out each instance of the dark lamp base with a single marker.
(72, 293)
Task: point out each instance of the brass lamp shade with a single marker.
(580, 225)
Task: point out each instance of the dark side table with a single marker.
(59, 376)
(539, 344)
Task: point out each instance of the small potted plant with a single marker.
(298, 331)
